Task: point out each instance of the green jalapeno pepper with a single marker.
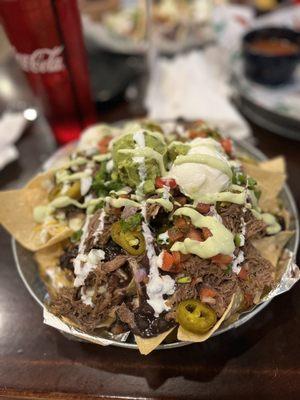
(131, 241)
(73, 191)
(195, 316)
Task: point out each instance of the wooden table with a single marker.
(260, 360)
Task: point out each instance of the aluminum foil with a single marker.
(55, 322)
(290, 276)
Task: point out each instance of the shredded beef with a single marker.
(66, 259)
(261, 273)
(254, 228)
(108, 282)
(126, 315)
(204, 272)
(114, 264)
(232, 215)
(93, 240)
(69, 305)
(128, 212)
(152, 210)
(183, 292)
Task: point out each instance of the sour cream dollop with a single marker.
(196, 179)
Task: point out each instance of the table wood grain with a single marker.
(260, 360)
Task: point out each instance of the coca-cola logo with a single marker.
(42, 61)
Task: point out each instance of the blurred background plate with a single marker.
(28, 269)
(122, 26)
(274, 108)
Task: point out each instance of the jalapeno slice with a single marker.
(73, 191)
(131, 241)
(195, 316)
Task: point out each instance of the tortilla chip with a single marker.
(269, 181)
(52, 275)
(145, 346)
(187, 336)
(276, 164)
(271, 247)
(16, 214)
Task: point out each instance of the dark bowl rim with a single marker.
(246, 41)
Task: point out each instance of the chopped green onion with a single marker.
(228, 269)
(76, 236)
(257, 193)
(251, 182)
(239, 178)
(131, 223)
(239, 240)
(184, 279)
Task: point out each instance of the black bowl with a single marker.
(266, 68)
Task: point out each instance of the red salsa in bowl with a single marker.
(271, 55)
(274, 47)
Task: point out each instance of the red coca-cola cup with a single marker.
(46, 36)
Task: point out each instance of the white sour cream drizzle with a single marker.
(158, 285)
(243, 232)
(237, 261)
(87, 296)
(100, 227)
(79, 269)
(85, 263)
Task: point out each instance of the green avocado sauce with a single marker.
(273, 226)
(221, 241)
(166, 204)
(236, 198)
(147, 152)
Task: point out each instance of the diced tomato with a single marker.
(227, 145)
(207, 292)
(165, 182)
(243, 274)
(103, 144)
(194, 133)
(175, 235)
(195, 234)
(222, 259)
(206, 233)
(167, 261)
(203, 208)
(177, 257)
(182, 224)
(171, 262)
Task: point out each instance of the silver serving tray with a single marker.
(28, 269)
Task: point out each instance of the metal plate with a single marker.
(28, 269)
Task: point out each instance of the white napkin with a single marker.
(192, 86)
(196, 85)
(12, 125)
